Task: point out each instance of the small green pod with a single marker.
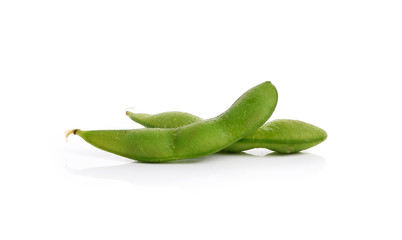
(281, 135)
(247, 114)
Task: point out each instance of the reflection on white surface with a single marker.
(219, 168)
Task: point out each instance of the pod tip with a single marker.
(69, 132)
(127, 110)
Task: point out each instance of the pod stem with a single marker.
(69, 132)
(127, 110)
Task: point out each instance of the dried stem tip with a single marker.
(68, 132)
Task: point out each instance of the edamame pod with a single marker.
(247, 114)
(281, 135)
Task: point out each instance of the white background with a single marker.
(79, 64)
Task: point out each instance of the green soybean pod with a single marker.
(281, 135)
(198, 139)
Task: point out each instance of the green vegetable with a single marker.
(201, 138)
(282, 135)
